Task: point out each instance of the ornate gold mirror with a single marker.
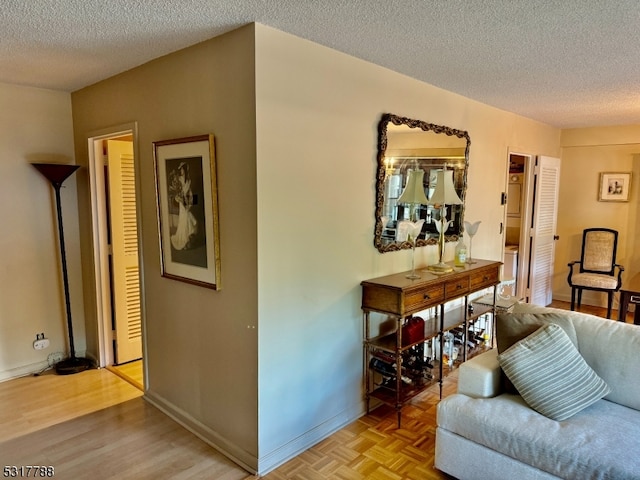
(406, 145)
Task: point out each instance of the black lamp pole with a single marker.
(57, 173)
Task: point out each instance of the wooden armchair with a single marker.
(597, 266)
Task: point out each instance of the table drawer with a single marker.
(456, 288)
(485, 278)
(382, 299)
(420, 299)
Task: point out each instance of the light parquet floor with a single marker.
(373, 447)
(95, 425)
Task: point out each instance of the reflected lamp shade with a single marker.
(445, 192)
(413, 192)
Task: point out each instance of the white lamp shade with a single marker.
(414, 189)
(445, 192)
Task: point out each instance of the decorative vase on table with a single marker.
(472, 229)
(414, 230)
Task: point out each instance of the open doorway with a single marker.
(531, 218)
(516, 237)
(116, 247)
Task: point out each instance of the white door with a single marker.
(124, 247)
(543, 231)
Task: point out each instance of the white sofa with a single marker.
(484, 433)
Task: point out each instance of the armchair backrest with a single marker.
(599, 247)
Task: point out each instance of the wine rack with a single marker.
(397, 370)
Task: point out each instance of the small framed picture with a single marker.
(614, 186)
(187, 195)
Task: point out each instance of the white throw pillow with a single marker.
(551, 375)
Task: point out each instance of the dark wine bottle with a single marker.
(382, 367)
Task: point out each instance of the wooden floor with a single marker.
(598, 311)
(95, 425)
(131, 372)
(33, 403)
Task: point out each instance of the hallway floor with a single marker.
(132, 372)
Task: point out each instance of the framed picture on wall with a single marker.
(614, 186)
(187, 196)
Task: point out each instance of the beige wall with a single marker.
(272, 363)
(317, 114)
(36, 127)
(201, 344)
(585, 154)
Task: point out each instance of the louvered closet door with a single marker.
(545, 214)
(124, 246)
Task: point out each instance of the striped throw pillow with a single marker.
(551, 375)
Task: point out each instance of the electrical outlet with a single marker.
(40, 343)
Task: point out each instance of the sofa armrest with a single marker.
(480, 376)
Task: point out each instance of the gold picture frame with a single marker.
(187, 202)
(614, 186)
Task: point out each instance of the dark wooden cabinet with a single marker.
(397, 370)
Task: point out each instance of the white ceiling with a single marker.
(567, 63)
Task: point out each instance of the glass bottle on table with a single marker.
(461, 253)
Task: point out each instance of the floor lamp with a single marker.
(57, 173)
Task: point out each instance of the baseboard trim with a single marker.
(236, 454)
(34, 368)
(23, 371)
(274, 459)
(268, 462)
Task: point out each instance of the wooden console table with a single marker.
(400, 298)
(630, 293)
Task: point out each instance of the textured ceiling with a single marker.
(567, 63)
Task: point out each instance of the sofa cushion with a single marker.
(597, 443)
(611, 348)
(513, 327)
(551, 375)
(481, 376)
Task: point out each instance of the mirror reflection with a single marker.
(410, 154)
